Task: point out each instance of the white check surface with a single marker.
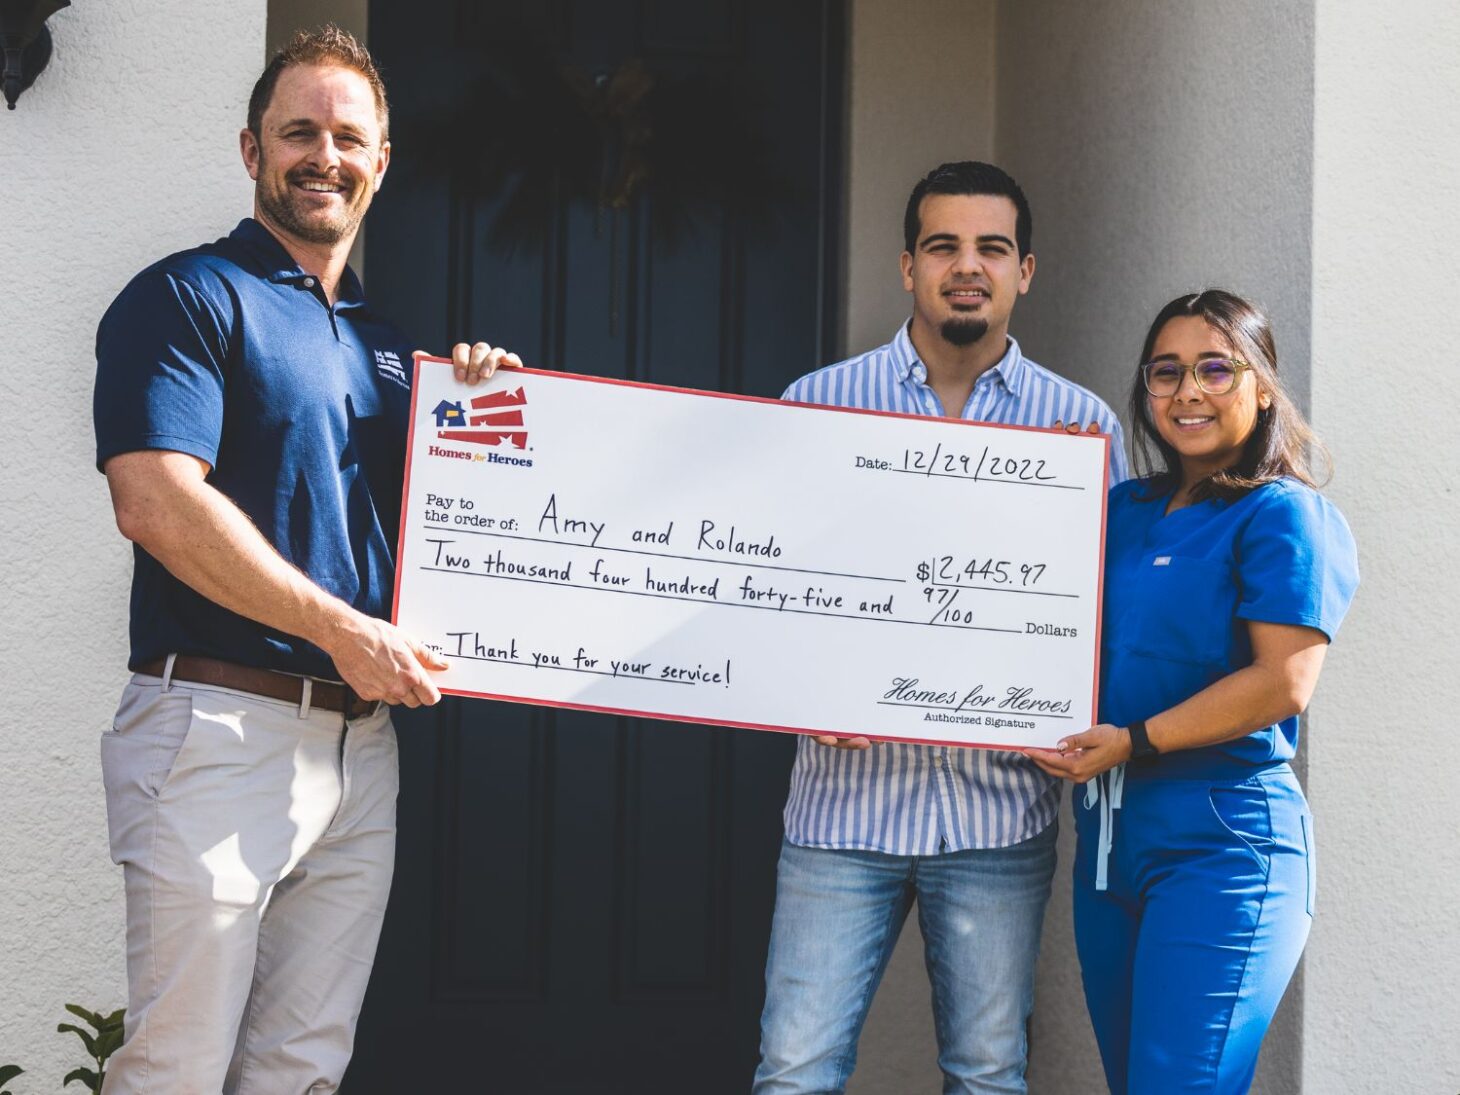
(687, 556)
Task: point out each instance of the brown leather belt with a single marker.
(262, 682)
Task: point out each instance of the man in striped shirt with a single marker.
(969, 833)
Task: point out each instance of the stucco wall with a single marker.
(119, 154)
(1382, 1012)
(1164, 148)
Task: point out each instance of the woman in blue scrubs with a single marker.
(1226, 576)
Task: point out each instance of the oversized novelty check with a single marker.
(651, 551)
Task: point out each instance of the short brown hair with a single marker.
(328, 45)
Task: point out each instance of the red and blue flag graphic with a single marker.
(494, 411)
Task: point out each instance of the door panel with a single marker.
(582, 902)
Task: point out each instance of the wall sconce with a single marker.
(26, 42)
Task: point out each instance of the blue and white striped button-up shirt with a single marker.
(925, 799)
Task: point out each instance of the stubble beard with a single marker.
(284, 210)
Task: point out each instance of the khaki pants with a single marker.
(257, 841)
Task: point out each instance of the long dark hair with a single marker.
(1279, 444)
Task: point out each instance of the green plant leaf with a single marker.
(90, 1016)
(85, 1036)
(108, 1042)
(85, 1075)
(115, 1018)
(8, 1073)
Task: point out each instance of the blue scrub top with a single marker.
(233, 354)
(1180, 588)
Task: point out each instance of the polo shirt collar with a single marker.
(276, 264)
(1011, 369)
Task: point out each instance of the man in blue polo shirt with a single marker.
(251, 418)
(969, 833)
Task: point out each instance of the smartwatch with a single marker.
(1141, 748)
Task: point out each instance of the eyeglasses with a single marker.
(1213, 375)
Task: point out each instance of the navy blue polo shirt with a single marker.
(231, 353)
(1180, 588)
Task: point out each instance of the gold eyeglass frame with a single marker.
(1239, 367)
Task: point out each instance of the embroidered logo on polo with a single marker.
(387, 363)
(495, 419)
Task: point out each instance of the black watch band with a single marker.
(1140, 742)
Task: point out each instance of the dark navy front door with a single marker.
(624, 188)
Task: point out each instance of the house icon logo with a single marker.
(449, 414)
(494, 419)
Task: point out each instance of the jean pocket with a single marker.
(1311, 859)
(1242, 810)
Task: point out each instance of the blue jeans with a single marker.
(838, 915)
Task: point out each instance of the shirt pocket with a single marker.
(1182, 610)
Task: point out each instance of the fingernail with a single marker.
(1062, 746)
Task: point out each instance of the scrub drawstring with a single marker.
(1109, 802)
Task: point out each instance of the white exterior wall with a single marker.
(1381, 1011)
(126, 148)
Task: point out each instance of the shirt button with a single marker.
(937, 762)
(309, 283)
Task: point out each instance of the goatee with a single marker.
(963, 332)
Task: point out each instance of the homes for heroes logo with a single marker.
(497, 418)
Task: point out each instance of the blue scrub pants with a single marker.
(1188, 950)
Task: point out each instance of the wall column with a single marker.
(1381, 1010)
